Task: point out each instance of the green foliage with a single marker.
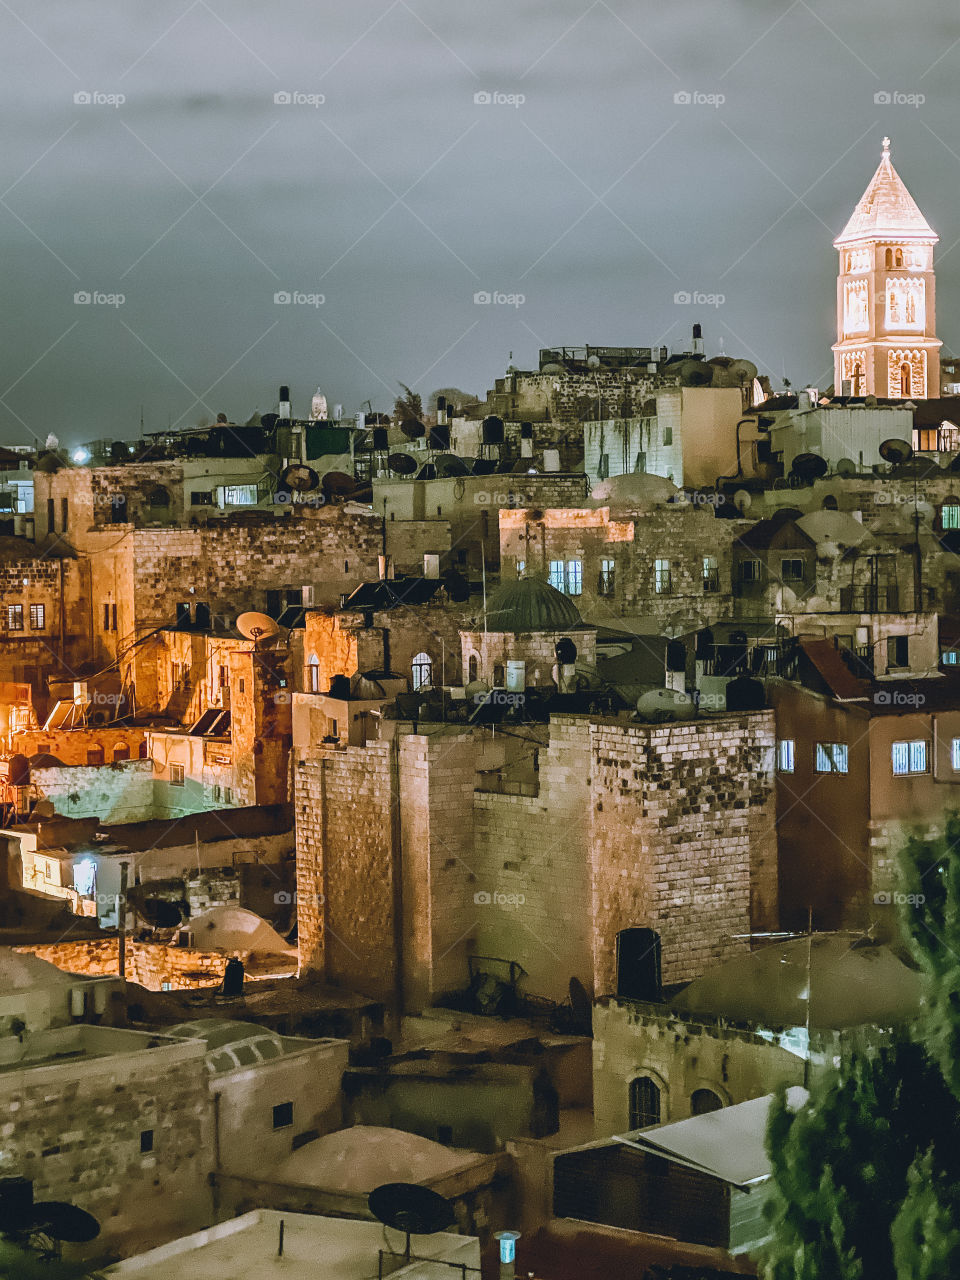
(409, 405)
(926, 1231)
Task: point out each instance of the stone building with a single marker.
(561, 844)
(887, 342)
(666, 567)
(43, 616)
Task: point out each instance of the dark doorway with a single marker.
(638, 964)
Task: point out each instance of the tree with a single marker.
(409, 405)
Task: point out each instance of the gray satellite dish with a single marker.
(664, 704)
(895, 452)
(593, 362)
(846, 467)
(742, 500)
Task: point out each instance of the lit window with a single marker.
(910, 757)
(313, 674)
(832, 757)
(955, 755)
(785, 753)
(711, 574)
(556, 574)
(574, 577)
(177, 775)
(791, 570)
(608, 577)
(521, 567)
(239, 495)
(950, 657)
(38, 616)
(14, 617)
(662, 578)
(950, 515)
(421, 669)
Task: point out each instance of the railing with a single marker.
(403, 1259)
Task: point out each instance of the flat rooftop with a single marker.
(314, 1248)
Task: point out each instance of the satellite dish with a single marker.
(809, 466)
(664, 704)
(338, 483)
(411, 1208)
(846, 467)
(18, 771)
(300, 478)
(269, 420)
(552, 367)
(402, 464)
(475, 687)
(742, 500)
(895, 452)
(257, 626)
(62, 1221)
(593, 362)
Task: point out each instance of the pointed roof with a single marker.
(886, 211)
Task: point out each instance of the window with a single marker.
(832, 757)
(711, 573)
(51, 508)
(898, 651)
(38, 617)
(146, 1141)
(603, 467)
(667, 436)
(662, 578)
(785, 755)
(228, 795)
(239, 495)
(109, 617)
(313, 674)
(95, 755)
(14, 617)
(421, 670)
(950, 657)
(121, 751)
(556, 574)
(791, 570)
(201, 498)
(283, 1115)
(176, 775)
(955, 755)
(608, 573)
(521, 566)
(574, 577)
(64, 513)
(909, 757)
(644, 1103)
(473, 668)
(749, 570)
(950, 515)
(703, 1101)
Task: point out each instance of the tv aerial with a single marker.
(413, 1209)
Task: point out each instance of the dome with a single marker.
(21, 971)
(529, 604)
(232, 928)
(230, 1045)
(356, 1160)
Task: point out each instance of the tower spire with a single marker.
(886, 148)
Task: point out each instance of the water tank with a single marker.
(340, 688)
(380, 438)
(77, 1002)
(745, 694)
(439, 437)
(491, 430)
(676, 655)
(516, 675)
(565, 650)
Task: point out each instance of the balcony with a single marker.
(879, 599)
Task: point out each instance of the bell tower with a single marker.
(887, 342)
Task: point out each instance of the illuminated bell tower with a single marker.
(887, 341)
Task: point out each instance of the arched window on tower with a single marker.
(888, 261)
(313, 674)
(857, 379)
(473, 668)
(905, 379)
(898, 258)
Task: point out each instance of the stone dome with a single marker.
(529, 604)
(20, 971)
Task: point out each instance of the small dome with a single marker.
(21, 971)
(233, 928)
(529, 604)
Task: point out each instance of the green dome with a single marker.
(529, 604)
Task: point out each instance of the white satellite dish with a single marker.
(664, 704)
(846, 467)
(742, 500)
(257, 626)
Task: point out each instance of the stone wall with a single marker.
(75, 1129)
(347, 886)
(121, 792)
(149, 964)
(53, 581)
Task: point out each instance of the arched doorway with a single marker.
(644, 1102)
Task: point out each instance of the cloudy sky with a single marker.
(542, 153)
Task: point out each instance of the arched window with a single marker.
(905, 379)
(888, 260)
(142, 753)
(704, 1100)
(313, 674)
(473, 668)
(498, 675)
(644, 1103)
(898, 258)
(830, 503)
(121, 751)
(421, 670)
(857, 378)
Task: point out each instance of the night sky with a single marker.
(398, 198)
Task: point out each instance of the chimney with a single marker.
(385, 567)
(284, 411)
(697, 347)
(441, 411)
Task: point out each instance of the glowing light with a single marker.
(81, 455)
(508, 1245)
(84, 876)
